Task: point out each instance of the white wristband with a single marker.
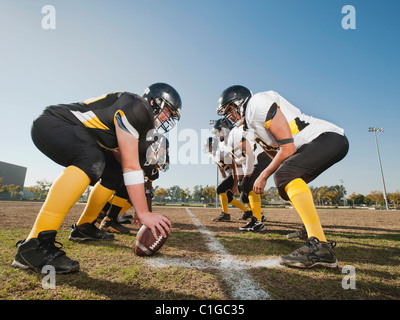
(133, 177)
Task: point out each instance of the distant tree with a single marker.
(11, 190)
(161, 192)
(270, 194)
(394, 199)
(376, 198)
(209, 193)
(185, 194)
(356, 198)
(197, 193)
(40, 190)
(174, 192)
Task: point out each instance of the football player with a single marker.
(302, 147)
(77, 136)
(225, 166)
(119, 203)
(246, 153)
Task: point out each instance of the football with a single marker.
(145, 244)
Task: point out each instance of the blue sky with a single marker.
(297, 48)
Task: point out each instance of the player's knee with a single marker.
(244, 197)
(281, 181)
(94, 170)
(229, 194)
(220, 189)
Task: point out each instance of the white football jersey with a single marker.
(235, 140)
(222, 159)
(261, 109)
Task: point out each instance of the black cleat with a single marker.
(113, 226)
(263, 218)
(88, 231)
(300, 234)
(39, 252)
(246, 215)
(313, 253)
(223, 217)
(101, 216)
(253, 225)
(125, 218)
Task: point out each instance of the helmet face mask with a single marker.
(222, 127)
(232, 112)
(166, 118)
(166, 104)
(232, 103)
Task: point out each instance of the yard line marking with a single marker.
(164, 262)
(231, 268)
(243, 286)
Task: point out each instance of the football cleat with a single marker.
(39, 252)
(313, 253)
(110, 225)
(125, 218)
(223, 217)
(253, 225)
(300, 234)
(246, 215)
(88, 231)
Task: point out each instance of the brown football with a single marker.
(145, 244)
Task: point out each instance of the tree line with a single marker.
(325, 195)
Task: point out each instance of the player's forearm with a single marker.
(138, 199)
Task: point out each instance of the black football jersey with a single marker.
(99, 115)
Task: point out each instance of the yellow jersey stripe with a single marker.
(90, 120)
(270, 115)
(293, 127)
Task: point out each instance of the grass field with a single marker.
(206, 260)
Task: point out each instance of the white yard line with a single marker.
(232, 270)
(163, 262)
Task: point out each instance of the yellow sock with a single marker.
(224, 202)
(122, 203)
(255, 204)
(126, 206)
(248, 206)
(239, 205)
(97, 199)
(111, 199)
(118, 201)
(63, 194)
(301, 199)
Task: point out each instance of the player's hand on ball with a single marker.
(156, 221)
(136, 219)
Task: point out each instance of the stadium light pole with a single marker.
(212, 122)
(375, 130)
